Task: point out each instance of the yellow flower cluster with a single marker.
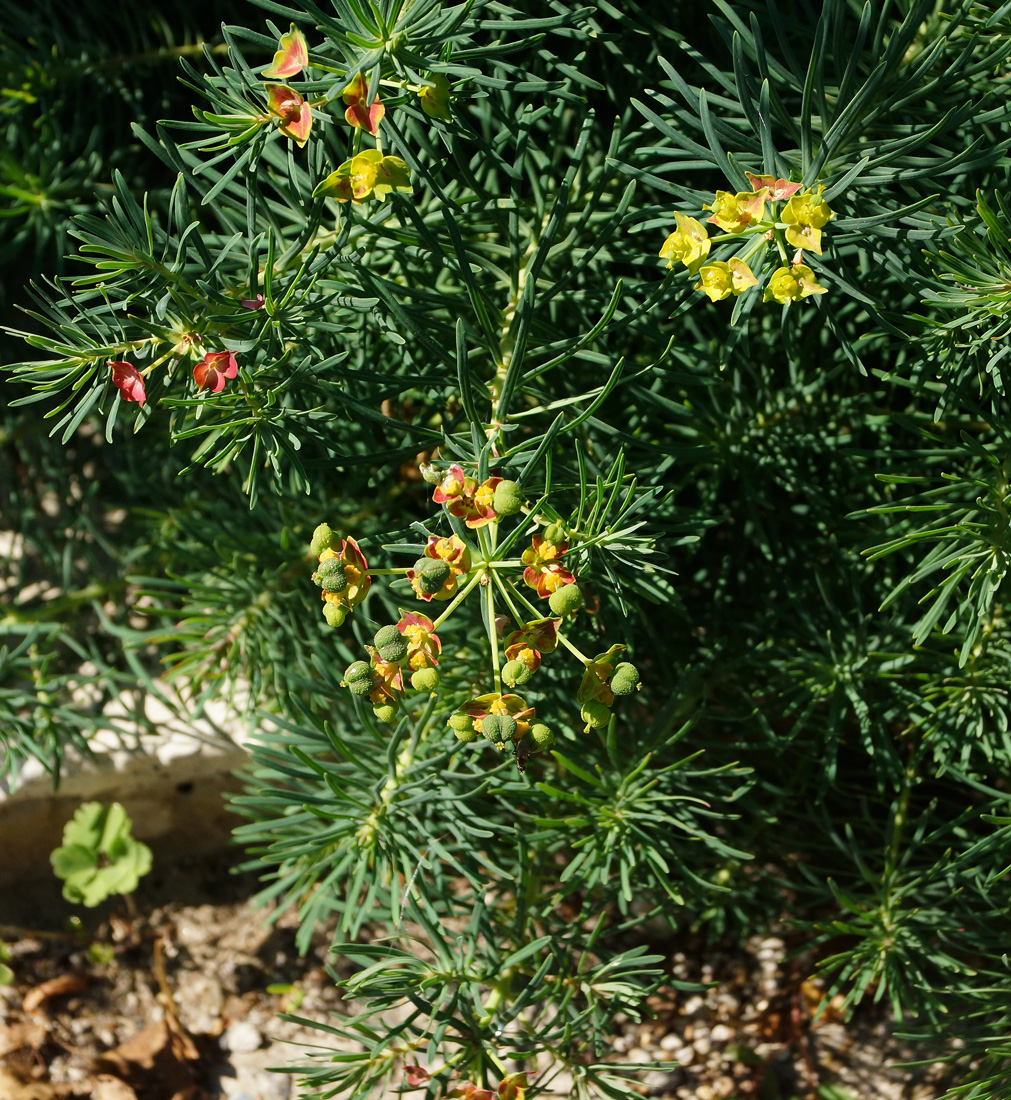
(743, 214)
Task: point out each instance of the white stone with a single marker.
(671, 1042)
(721, 1033)
(241, 1036)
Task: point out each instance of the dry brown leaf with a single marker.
(11, 1088)
(155, 1061)
(106, 1087)
(26, 1035)
(55, 987)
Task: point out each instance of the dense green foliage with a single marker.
(791, 506)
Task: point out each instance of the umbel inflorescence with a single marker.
(754, 224)
(527, 600)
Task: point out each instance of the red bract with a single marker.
(543, 570)
(286, 104)
(292, 56)
(210, 373)
(127, 379)
(254, 303)
(527, 645)
(359, 113)
(465, 499)
(423, 645)
(416, 1076)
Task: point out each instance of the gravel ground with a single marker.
(181, 1003)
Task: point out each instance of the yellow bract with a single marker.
(689, 243)
(791, 284)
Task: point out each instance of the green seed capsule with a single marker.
(498, 728)
(516, 672)
(390, 644)
(386, 712)
(625, 679)
(595, 715)
(541, 736)
(431, 574)
(334, 614)
(359, 678)
(554, 534)
(508, 498)
(322, 539)
(330, 575)
(565, 600)
(425, 679)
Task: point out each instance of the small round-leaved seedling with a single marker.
(98, 856)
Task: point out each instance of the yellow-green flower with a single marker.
(689, 243)
(790, 284)
(804, 216)
(734, 213)
(722, 278)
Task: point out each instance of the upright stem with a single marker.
(489, 595)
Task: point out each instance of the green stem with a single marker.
(388, 572)
(573, 650)
(459, 598)
(504, 589)
(489, 594)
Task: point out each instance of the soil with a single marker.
(179, 1000)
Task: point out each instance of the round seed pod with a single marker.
(330, 575)
(625, 679)
(359, 678)
(425, 679)
(334, 614)
(431, 574)
(595, 715)
(541, 736)
(508, 498)
(516, 672)
(498, 728)
(390, 644)
(386, 712)
(322, 539)
(565, 600)
(554, 533)
(463, 726)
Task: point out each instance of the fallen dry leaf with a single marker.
(156, 1061)
(106, 1087)
(55, 987)
(11, 1088)
(21, 1036)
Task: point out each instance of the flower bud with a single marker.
(330, 576)
(565, 600)
(425, 679)
(322, 539)
(595, 715)
(625, 679)
(541, 736)
(498, 728)
(386, 712)
(508, 498)
(390, 644)
(516, 672)
(431, 574)
(554, 534)
(334, 614)
(359, 678)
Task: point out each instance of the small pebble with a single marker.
(686, 1056)
(693, 1005)
(721, 1033)
(241, 1037)
(702, 1045)
(671, 1042)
